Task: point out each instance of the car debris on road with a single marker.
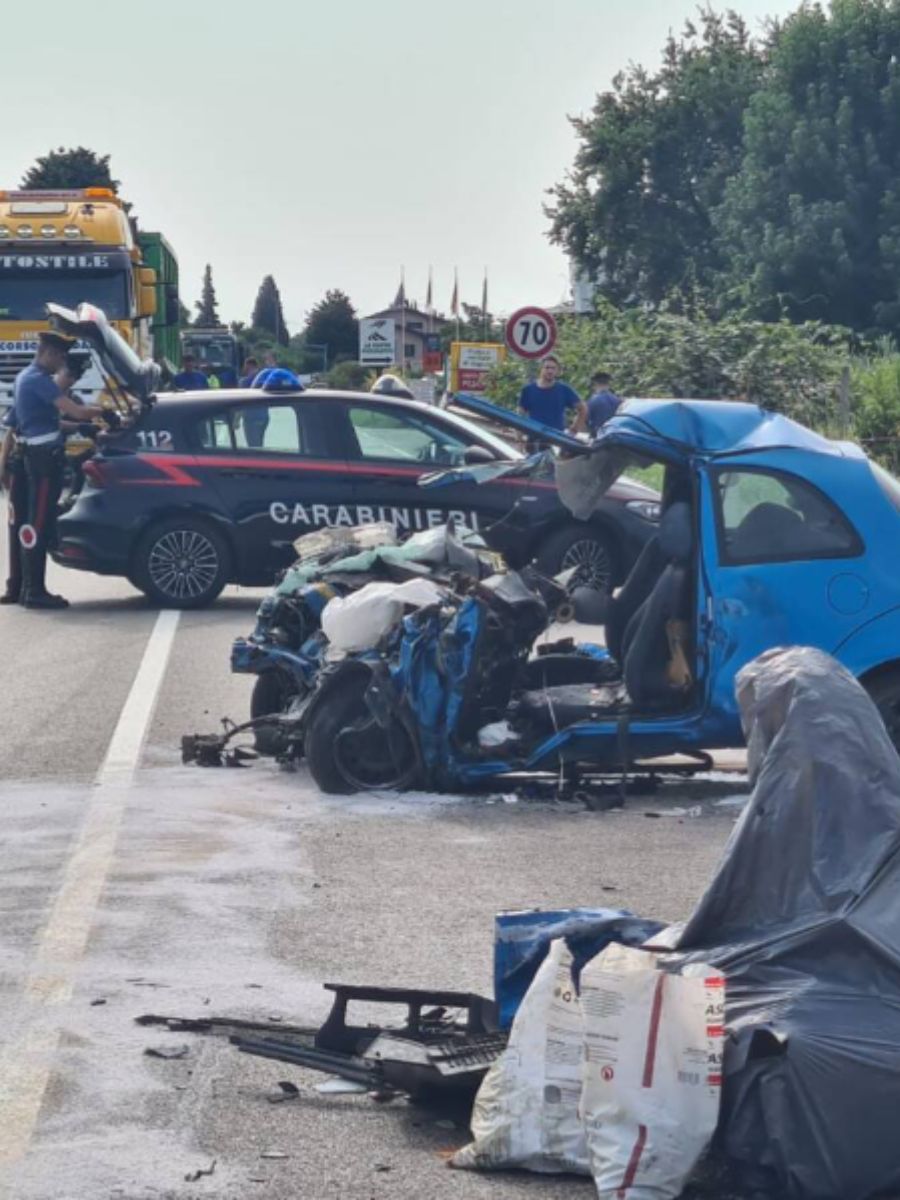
(782, 990)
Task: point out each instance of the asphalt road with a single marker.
(151, 887)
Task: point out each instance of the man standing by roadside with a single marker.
(190, 378)
(548, 399)
(603, 402)
(41, 399)
(251, 370)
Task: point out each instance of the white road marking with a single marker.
(27, 1059)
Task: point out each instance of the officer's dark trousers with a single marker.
(44, 474)
(17, 506)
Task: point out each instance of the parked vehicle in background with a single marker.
(159, 255)
(70, 246)
(217, 347)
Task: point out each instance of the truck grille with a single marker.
(11, 363)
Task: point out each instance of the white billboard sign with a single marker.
(376, 341)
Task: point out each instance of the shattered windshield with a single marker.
(584, 481)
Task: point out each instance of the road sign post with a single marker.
(531, 332)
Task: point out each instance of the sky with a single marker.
(333, 145)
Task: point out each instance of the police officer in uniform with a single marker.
(41, 401)
(13, 482)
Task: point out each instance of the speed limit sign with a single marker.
(531, 332)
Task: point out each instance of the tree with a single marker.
(184, 315)
(653, 160)
(76, 168)
(267, 312)
(207, 305)
(332, 323)
(811, 220)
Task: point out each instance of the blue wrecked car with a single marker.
(770, 535)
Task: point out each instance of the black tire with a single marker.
(584, 546)
(181, 563)
(272, 692)
(884, 691)
(340, 724)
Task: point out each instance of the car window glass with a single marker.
(406, 437)
(214, 433)
(767, 517)
(268, 428)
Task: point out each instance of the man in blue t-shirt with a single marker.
(603, 402)
(250, 371)
(190, 378)
(549, 399)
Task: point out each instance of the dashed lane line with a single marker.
(26, 1061)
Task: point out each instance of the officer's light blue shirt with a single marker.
(36, 393)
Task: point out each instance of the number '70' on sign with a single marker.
(531, 332)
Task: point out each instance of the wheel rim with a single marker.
(591, 562)
(183, 564)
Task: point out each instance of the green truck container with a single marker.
(158, 254)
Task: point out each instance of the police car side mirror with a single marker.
(478, 454)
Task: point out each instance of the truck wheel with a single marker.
(181, 563)
(348, 751)
(272, 693)
(588, 549)
(884, 692)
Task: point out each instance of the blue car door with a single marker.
(783, 565)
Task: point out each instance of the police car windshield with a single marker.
(481, 433)
(23, 297)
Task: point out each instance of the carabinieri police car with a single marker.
(209, 488)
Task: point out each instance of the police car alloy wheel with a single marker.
(590, 552)
(181, 564)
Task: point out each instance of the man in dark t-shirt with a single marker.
(548, 399)
(190, 378)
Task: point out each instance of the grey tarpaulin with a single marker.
(803, 916)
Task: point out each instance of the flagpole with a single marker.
(456, 298)
(403, 321)
(484, 304)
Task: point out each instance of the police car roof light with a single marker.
(278, 379)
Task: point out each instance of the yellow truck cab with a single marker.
(66, 247)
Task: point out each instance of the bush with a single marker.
(875, 387)
(350, 377)
(794, 369)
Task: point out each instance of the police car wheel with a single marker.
(181, 563)
(348, 752)
(590, 551)
(273, 691)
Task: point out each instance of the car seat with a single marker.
(768, 529)
(656, 650)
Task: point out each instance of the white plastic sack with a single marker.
(653, 1071)
(359, 621)
(526, 1110)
